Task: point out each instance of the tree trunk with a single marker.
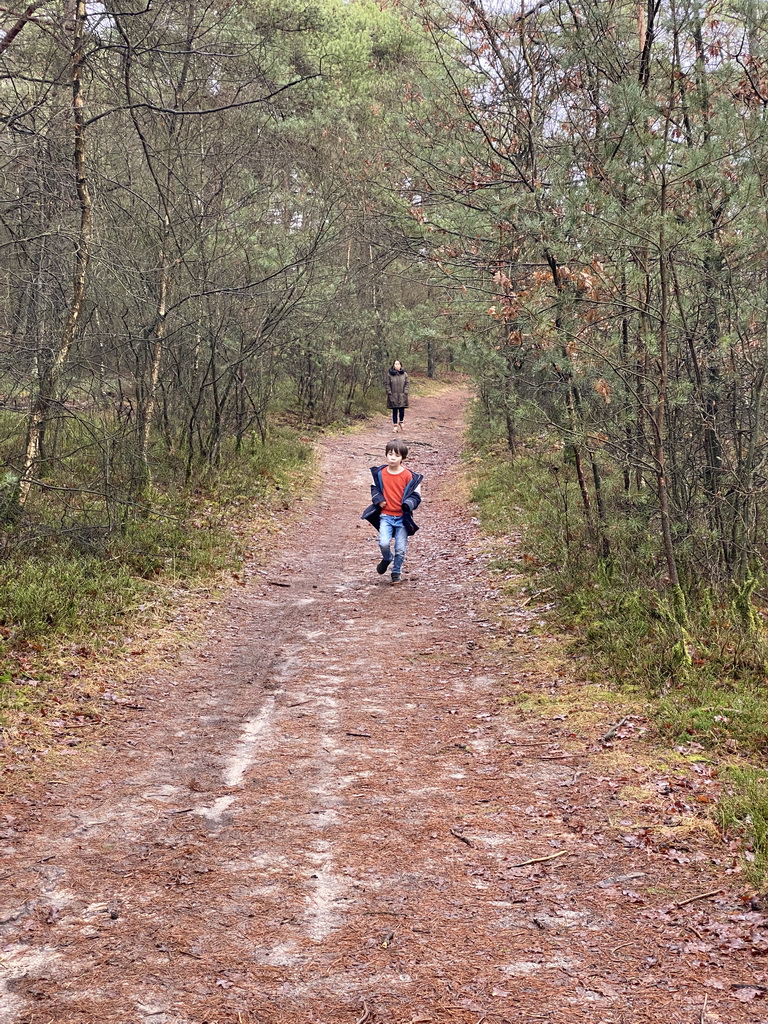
(148, 398)
(48, 387)
(658, 419)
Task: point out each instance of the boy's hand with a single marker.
(382, 504)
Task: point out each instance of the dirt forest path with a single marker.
(325, 814)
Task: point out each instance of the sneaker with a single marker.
(396, 577)
(381, 568)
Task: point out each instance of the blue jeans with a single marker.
(389, 527)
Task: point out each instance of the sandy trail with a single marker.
(322, 814)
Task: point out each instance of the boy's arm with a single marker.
(414, 498)
(377, 495)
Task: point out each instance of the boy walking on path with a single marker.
(396, 493)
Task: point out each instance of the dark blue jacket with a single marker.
(411, 500)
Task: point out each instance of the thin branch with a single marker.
(204, 110)
(701, 896)
(25, 19)
(539, 860)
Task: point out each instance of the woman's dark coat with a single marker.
(397, 389)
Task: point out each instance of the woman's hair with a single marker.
(397, 361)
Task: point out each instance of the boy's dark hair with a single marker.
(396, 445)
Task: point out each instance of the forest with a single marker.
(221, 222)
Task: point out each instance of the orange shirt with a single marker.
(394, 485)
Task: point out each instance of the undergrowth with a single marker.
(742, 813)
(75, 567)
(698, 658)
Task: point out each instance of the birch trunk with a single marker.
(50, 375)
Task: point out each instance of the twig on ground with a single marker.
(621, 945)
(539, 860)
(613, 730)
(363, 735)
(636, 954)
(460, 837)
(367, 1015)
(527, 743)
(522, 604)
(277, 583)
(701, 896)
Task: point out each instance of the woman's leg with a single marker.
(394, 418)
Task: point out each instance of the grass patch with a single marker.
(594, 702)
(743, 814)
(725, 716)
(63, 594)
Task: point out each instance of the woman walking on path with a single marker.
(397, 394)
